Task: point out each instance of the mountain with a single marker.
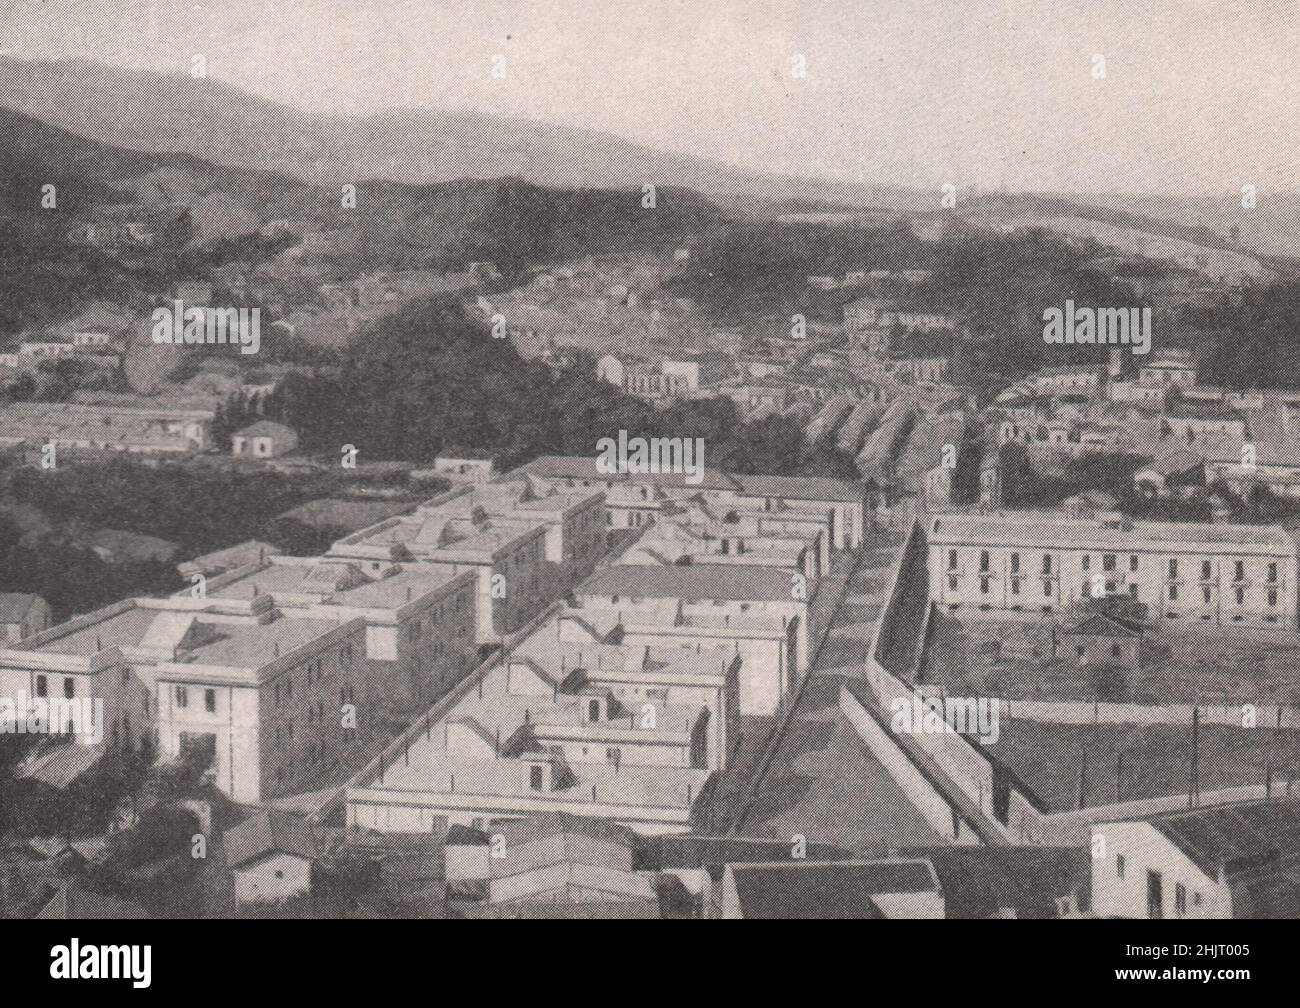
(163, 113)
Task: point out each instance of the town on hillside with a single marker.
(584, 525)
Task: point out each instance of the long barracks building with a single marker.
(1039, 562)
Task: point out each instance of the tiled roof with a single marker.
(269, 831)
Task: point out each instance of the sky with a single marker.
(1194, 97)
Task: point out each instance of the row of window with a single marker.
(1156, 892)
(1207, 594)
(1109, 562)
(209, 699)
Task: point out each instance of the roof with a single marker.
(978, 881)
(1048, 530)
(328, 512)
(75, 902)
(1103, 625)
(1235, 837)
(1175, 461)
(688, 850)
(826, 890)
(691, 583)
(15, 605)
(126, 546)
(801, 487)
(269, 831)
(583, 467)
(266, 428)
(249, 551)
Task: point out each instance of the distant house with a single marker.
(264, 439)
(21, 615)
(272, 854)
(1177, 471)
(122, 546)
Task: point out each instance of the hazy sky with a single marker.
(1198, 95)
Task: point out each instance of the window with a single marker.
(1180, 899)
(1272, 598)
(984, 560)
(1087, 561)
(1272, 573)
(1239, 570)
(535, 778)
(1206, 594)
(952, 584)
(1108, 561)
(1047, 589)
(984, 586)
(1241, 596)
(1133, 563)
(1015, 563)
(1206, 569)
(1155, 895)
(593, 710)
(1196, 899)
(1047, 564)
(40, 686)
(952, 559)
(210, 701)
(1119, 865)
(182, 696)
(1173, 593)
(1015, 587)
(1173, 569)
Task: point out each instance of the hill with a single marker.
(174, 113)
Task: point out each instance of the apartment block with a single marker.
(525, 548)
(1036, 562)
(420, 622)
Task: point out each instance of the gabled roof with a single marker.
(1103, 625)
(266, 428)
(269, 831)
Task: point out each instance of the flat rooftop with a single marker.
(1050, 530)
